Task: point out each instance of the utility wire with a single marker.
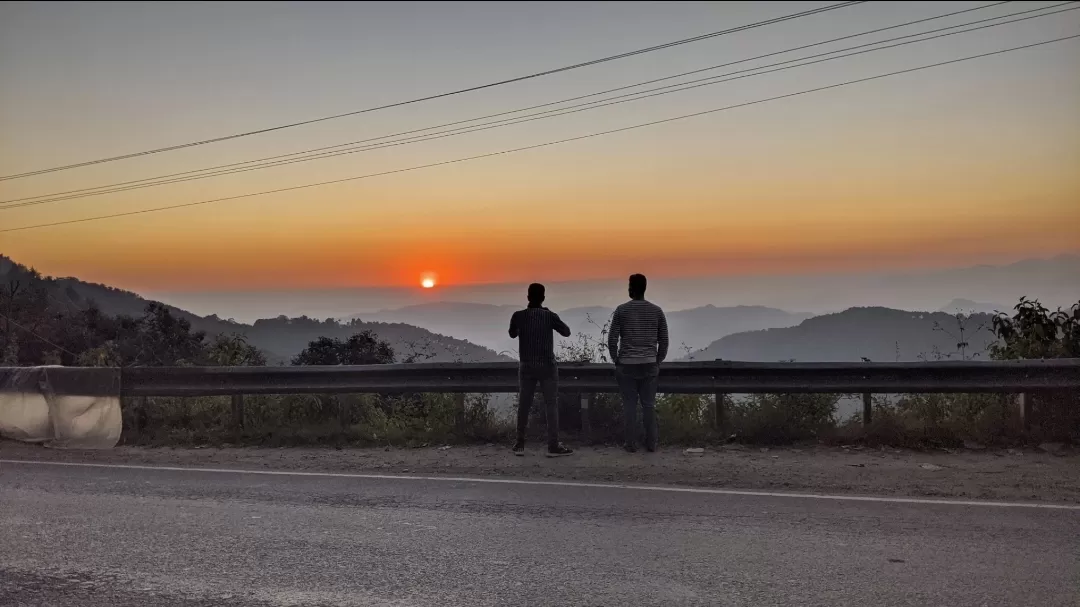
(343, 145)
(540, 145)
(575, 66)
(636, 96)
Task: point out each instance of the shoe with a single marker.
(630, 447)
(519, 448)
(559, 451)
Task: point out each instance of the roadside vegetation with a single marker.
(38, 330)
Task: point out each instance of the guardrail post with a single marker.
(586, 423)
(459, 406)
(867, 408)
(238, 412)
(720, 411)
(1023, 404)
(141, 415)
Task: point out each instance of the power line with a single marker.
(343, 145)
(540, 145)
(40, 338)
(575, 66)
(636, 96)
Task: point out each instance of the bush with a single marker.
(937, 420)
(782, 418)
(361, 420)
(684, 418)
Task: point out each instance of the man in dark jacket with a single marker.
(532, 328)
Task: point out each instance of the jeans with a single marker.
(638, 383)
(548, 377)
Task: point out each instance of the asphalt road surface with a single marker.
(97, 536)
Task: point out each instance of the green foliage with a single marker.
(295, 420)
(938, 420)
(683, 418)
(234, 351)
(363, 348)
(782, 418)
(1035, 332)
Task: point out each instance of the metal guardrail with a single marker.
(717, 377)
(680, 377)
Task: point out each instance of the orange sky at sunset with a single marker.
(961, 165)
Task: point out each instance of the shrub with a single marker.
(782, 418)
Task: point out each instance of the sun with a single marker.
(427, 281)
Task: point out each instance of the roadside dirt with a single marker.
(992, 475)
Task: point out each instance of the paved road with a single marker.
(96, 536)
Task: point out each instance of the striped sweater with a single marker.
(532, 328)
(638, 333)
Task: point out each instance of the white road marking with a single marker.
(512, 481)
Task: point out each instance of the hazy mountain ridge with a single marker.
(451, 330)
(487, 324)
(875, 333)
(966, 306)
(279, 338)
(1054, 281)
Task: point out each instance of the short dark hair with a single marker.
(536, 292)
(638, 282)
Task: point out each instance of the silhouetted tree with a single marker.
(234, 351)
(1035, 332)
(364, 348)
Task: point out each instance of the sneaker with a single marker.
(630, 447)
(519, 448)
(559, 451)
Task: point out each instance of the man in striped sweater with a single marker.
(638, 343)
(532, 328)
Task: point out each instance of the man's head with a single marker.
(637, 286)
(536, 293)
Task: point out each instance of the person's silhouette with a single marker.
(532, 328)
(638, 343)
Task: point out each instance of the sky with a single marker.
(958, 165)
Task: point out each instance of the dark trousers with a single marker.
(548, 378)
(637, 383)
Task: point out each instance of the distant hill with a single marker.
(279, 338)
(1053, 281)
(966, 306)
(878, 334)
(487, 324)
(482, 324)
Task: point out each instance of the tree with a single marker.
(234, 351)
(1035, 332)
(364, 348)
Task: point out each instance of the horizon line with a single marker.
(1064, 255)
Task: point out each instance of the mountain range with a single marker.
(279, 338)
(487, 324)
(1053, 281)
(474, 332)
(876, 334)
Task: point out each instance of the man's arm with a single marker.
(661, 338)
(559, 326)
(514, 325)
(613, 336)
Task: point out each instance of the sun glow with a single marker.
(427, 281)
